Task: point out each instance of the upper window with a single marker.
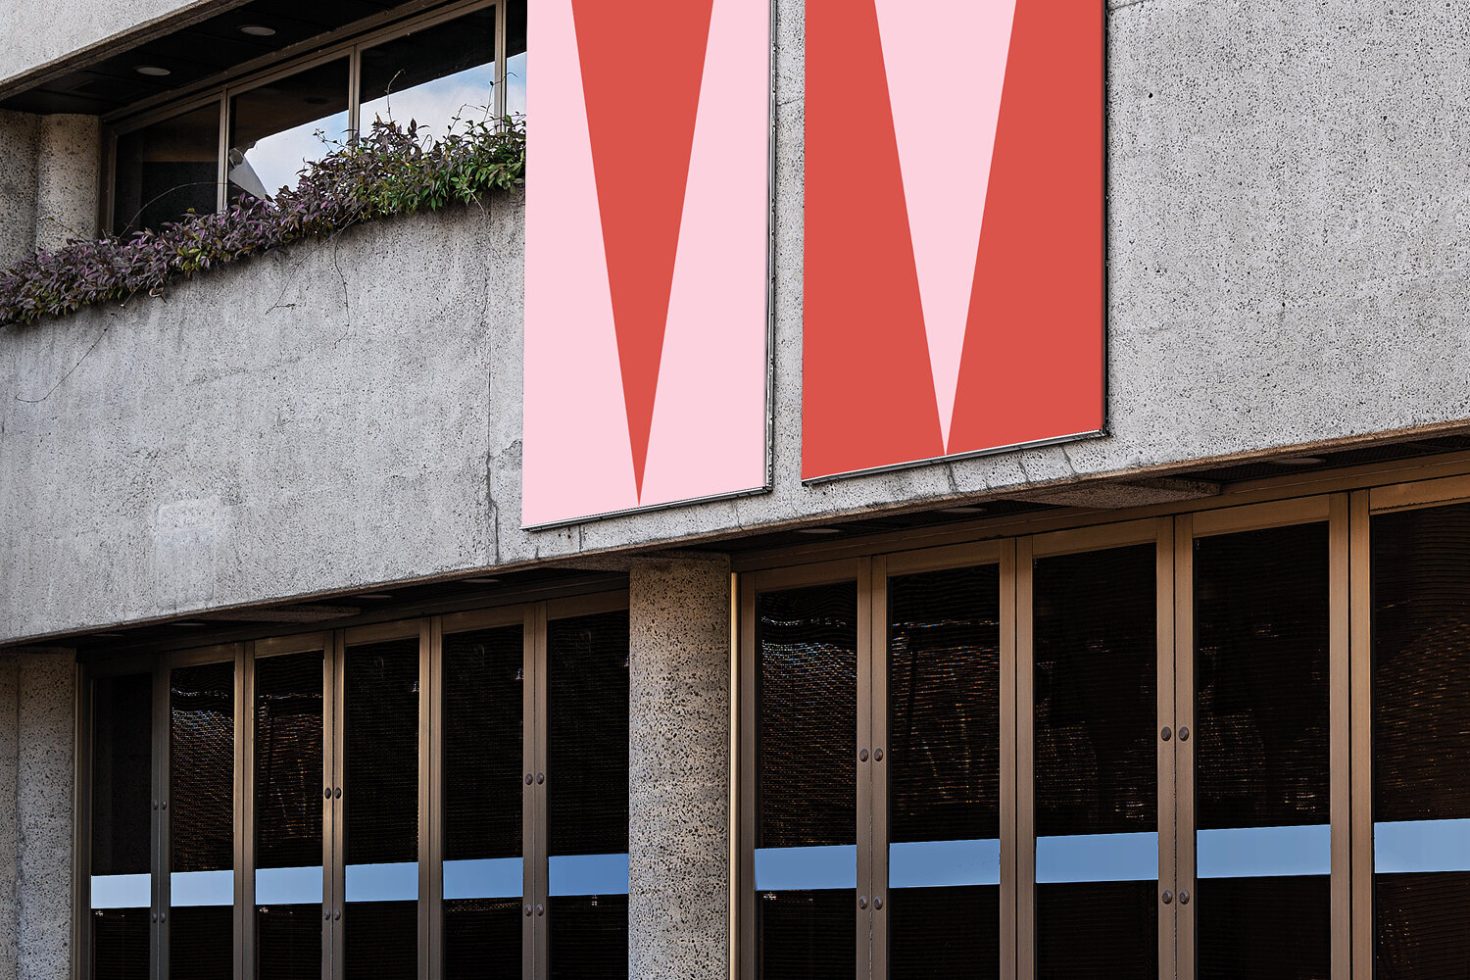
(434, 69)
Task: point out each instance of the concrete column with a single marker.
(44, 795)
(19, 135)
(679, 750)
(68, 162)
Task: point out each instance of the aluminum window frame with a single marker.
(346, 42)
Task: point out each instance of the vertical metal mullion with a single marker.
(1025, 801)
(541, 921)
(432, 895)
(160, 862)
(864, 769)
(333, 845)
(1360, 723)
(354, 94)
(746, 698)
(1175, 756)
(82, 832)
(498, 98)
(222, 165)
(530, 836)
(733, 809)
(244, 849)
(1008, 784)
(877, 633)
(428, 635)
(1340, 734)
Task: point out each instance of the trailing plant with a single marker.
(388, 170)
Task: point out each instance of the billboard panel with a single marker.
(954, 285)
(647, 255)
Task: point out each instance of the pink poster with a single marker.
(647, 255)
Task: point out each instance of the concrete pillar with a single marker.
(44, 795)
(19, 136)
(679, 751)
(68, 162)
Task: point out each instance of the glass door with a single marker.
(1090, 669)
(1258, 750)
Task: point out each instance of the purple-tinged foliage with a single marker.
(388, 171)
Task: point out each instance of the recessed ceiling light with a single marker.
(107, 636)
(187, 622)
(375, 595)
(963, 510)
(152, 71)
(817, 530)
(482, 580)
(257, 30)
(1299, 461)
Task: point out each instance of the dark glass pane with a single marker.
(1276, 928)
(1420, 923)
(515, 53)
(120, 944)
(288, 761)
(807, 935)
(587, 794)
(587, 734)
(944, 932)
(483, 691)
(1095, 708)
(202, 767)
(382, 752)
(432, 76)
(276, 128)
(122, 761)
(1261, 676)
(944, 773)
(482, 938)
(201, 943)
(1096, 689)
(381, 736)
(806, 780)
(1262, 666)
(166, 170)
(1421, 741)
(944, 705)
(1095, 930)
(289, 942)
(589, 937)
(806, 716)
(374, 937)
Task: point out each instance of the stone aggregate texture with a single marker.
(1289, 198)
(679, 759)
(19, 139)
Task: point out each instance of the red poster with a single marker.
(954, 229)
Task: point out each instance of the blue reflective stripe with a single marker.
(121, 891)
(488, 878)
(1097, 857)
(587, 874)
(288, 886)
(780, 869)
(1421, 845)
(1264, 852)
(943, 863)
(198, 888)
(383, 882)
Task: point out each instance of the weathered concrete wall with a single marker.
(678, 769)
(1288, 237)
(37, 766)
(68, 161)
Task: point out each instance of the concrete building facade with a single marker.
(312, 460)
